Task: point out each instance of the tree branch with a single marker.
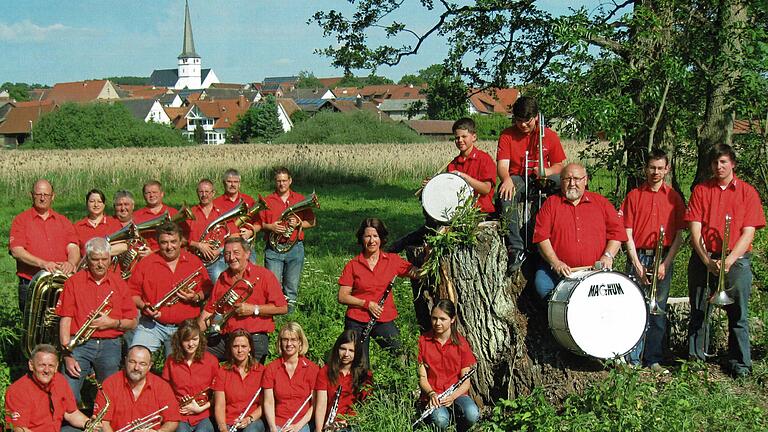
(658, 116)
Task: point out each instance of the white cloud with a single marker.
(283, 61)
(27, 31)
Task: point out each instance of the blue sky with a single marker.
(242, 40)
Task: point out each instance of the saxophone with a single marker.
(86, 331)
(90, 425)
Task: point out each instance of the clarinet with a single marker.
(449, 391)
(334, 409)
(367, 331)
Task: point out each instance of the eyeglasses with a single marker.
(573, 179)
(42, 195)
(524, 119)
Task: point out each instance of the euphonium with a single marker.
(653, 303)
(258, 206)
(184, 214)
(86, 331)
(128, 259)
(283, 242)
(149, 421)
(186, 284)
(225, 306)
(40, 320)
(218, 230)
(721, 297)
(96, 420)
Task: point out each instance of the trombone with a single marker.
(653, 302)
(720, 297)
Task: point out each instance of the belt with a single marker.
(652, 252)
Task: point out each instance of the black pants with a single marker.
(386, 333)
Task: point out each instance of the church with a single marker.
(189, 74)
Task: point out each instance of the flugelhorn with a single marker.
(226, 305)
(149, 421)
(86, 331)
(721, 297)
(653, 303)
(283, 242)
(217, 231)
(186, 284)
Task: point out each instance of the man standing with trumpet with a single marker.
(647, 210)
(167, 287)
(153, 195)
(246, 296)
(724, 207)
(96, 308)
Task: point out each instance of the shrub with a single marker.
(349, 128)
(489, 127)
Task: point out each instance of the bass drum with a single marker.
(601, 314)
(443, 194)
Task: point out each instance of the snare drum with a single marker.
(442, 194)
(602, 314)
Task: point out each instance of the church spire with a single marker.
(189, 43)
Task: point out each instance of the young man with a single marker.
(711, 201)
(646, 209)
(513, 168)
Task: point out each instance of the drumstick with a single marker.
(596, 266)
(418, 192)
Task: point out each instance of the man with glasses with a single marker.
(512, 168)
(575, 228)
(42, 239)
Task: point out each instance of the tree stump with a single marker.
(678, 311)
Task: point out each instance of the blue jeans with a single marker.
(256, 426)
(203, 426)
(508, 211)
(738, 282)
(545, 280)
(96, 355)
(218, 267)
(152, 334)
(464, 410)
(287, 267)
(650, 347)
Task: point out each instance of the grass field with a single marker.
(352, 182)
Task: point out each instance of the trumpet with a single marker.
(226, 306)
(653, 303)
(86, 331)
(186, 284)
(149, 421)
(721, 297)
(200, 397)
(283, 242)
(91, 424)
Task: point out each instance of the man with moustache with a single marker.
(154, 277)
(136, 393)
(42, 239)
(205, 212)
(40, 400)
(574, 228)
(83, 293)
(153, 196)
(254, 313)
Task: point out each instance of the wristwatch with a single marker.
(608, 254)
(256, 310)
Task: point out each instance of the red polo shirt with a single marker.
(190, 379)
(290, 392)
(239, 391)
(193, 229)
(580, 232)
(513, 144)
(347, 398)
(710, 203)
(644, 211)
(46, 239)
(370, 284)
(85, 231)
(124, 408)
(266, 290)
(225, 203)
(82, 295)
(480, 166)
(153, 279)
(27, 403)
(145, 214)
(276, 206)
(444, 362)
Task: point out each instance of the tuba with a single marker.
(226, 305)
(86, 331)
(283, 242)
(217, 231)
(40, 320)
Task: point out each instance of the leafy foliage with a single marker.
(349, 128)
(446, 98)
(20, 91)
(359, 82)
(308, 80)
(489, 127)
(99, 125)
(129, 80)
(260, 123)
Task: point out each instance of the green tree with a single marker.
(129, 80)
(308, 80)
(446, 98)
(199, 134)
(259, 123)
(359, 82)
(19, 91)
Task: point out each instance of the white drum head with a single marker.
(442, 194)
(606, 313)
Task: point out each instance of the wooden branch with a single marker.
(616, 9)
(658, 116)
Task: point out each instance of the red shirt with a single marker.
(193, 229)
(580, 232)
(513, 144)
(26, 403)
(290, 392)
(82, 295)
(153, 279)
(347, 398)
(710, 203)
(276, 206)
(226, 203)
(189, 380)
(145, 214)
(370, 284)
(444, 362)
(480, 166)
(238, 390)
(123, 408)
(85, 231)
(644, 211)
(47, 239)
(266, 290)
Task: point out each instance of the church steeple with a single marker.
(188, 49)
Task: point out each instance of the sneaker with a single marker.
(516, 260)
(659, 369)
